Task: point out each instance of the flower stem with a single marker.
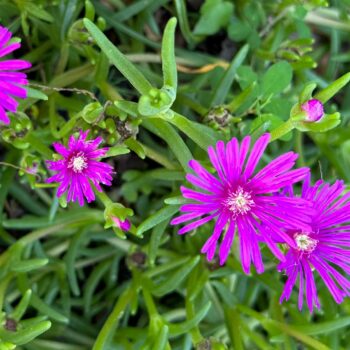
(103, 198)
(113, 319)
(195, 332)
(282, 130)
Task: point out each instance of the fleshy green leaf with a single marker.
(172, 282)
(155, 219)
(223, 87)
(328, 122)
(130, 72)
(327, 93)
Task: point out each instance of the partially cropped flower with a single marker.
(123, 225)
(244, 202)
(324, 249)
(80, 168)
(313, 109)
(10, 79)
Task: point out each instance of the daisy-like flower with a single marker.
(79, 168)
(10, 79)
(324, 249)
(243, 202)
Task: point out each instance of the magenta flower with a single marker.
(244, 202)
(324, 248)
(313, 109)
(79, 168)
(122, 225)
(10, 80)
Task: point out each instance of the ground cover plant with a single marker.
(174, 174)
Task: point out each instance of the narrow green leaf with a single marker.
(27, 201)
(70, 260)
(167, 175)
(20, 309)
(202, 135)
(136, 146)
(162, 338)
(130, 72)
(131, 10)
(155, 219)
(175, 279)
(25, 335)
(29, 265)
(38, 12)
(92, 283)
(327, 93)
(175, 200)
(183, 22)
(117, 150)
(275, 326)
(185, 327)
(239, 100)
(225, 83)
(168, 55)
(112, 322)
(36, 94)
(155, 240)
(172, 138)
(319, 328)
(233, 325)
(127, 107)
(45, 309)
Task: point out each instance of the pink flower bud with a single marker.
(33, 169)
(313, 109)
(123, 225)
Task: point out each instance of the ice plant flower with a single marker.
(242, 201)
(324, 249)
(122, 225)
(313, 109)
(10, 79)
(79, 168)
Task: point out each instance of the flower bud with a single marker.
(123, 225)
(313, 109)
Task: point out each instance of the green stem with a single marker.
(151, 306)
(282, 130)
(195, 332)
(113, 319)
(3, 287)
(233, 325)
(299, 148)
(103, 198)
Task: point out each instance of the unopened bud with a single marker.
(313, 109)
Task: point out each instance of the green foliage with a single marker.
(160, 92)
(214, 15)
(276, 78)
